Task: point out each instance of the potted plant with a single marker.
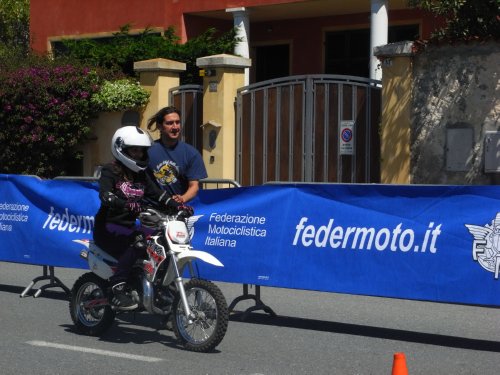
(120, 95)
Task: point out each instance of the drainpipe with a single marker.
(242, 26)
(378, 34)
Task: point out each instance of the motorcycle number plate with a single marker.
(177, 232)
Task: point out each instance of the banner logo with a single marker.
(366, 238)
(66, 222)
(486, 245)
(225, 229)
(191, 221)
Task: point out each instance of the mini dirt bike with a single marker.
(196, 310)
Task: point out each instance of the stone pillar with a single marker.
(242, 26)
(396, 111)
(224, 75)
(378, 34)
(157, 76)
(97, 151)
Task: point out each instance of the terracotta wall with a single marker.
(72, 18)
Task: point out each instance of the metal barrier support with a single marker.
(54, 283)
(259, 305)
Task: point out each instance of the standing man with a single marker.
(176, 165)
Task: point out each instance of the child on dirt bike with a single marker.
(122, 185)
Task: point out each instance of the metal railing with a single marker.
(218, 183)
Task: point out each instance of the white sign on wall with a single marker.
(346, 137)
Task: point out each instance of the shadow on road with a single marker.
(368, 331)
(52, 294)
(137, 328)
(122, 333)
(128, 334)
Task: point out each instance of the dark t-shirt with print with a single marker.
(173, 167)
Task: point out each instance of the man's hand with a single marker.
(178, 199)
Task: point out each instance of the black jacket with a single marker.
(116, 189)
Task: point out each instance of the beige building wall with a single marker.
(97, 151)
(225, 75)
(396, 107)
(157, 76)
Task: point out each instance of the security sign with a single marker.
(346, 139)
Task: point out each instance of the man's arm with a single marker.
(191, 191)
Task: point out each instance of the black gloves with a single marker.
(185, 211)
(171, 203)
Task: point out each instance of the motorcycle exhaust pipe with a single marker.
(148, 299)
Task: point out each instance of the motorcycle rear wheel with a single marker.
(92, 321)
(209, 326)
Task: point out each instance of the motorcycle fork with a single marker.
(180, 287)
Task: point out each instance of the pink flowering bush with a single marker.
(45, 110)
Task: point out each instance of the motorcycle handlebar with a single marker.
(182, 211)
(151, 216)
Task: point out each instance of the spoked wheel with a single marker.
(89, 308)
(210, 316)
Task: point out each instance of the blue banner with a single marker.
(39, 219)
(436, 243)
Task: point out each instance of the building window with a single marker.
(347, 52)
(272, 62)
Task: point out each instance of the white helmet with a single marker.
(130, 136)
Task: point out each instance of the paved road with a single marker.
(314, 333)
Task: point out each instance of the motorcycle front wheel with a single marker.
(88, 306)
(209, 325)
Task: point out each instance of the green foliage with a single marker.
(45, 108)
(46, 104)
(120, 95)
(14, 27)
(119, 51)
(465, 19)
(124, 49)
(206, 44)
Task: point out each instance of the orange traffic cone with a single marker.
(399, 364)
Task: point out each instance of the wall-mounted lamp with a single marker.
(210, 132)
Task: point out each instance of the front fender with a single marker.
(183, 258)
(186, 256)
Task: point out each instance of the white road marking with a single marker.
(94, 351)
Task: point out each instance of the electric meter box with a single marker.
(492, 152)
(459, 148)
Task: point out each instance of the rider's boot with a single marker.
(121, 299)
(167, 322)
